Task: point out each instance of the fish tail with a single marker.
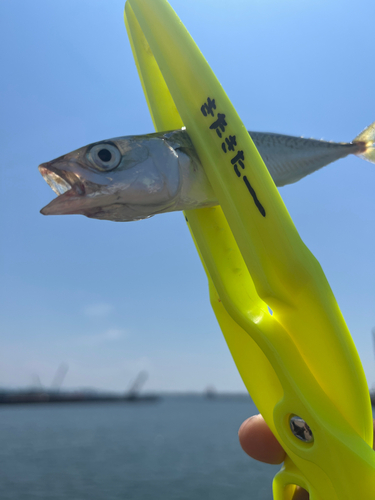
(367, 140)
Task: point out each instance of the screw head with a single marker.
(300, 429)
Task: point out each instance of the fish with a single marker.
(136, 177)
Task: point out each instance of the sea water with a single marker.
(179, 448)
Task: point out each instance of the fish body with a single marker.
(135, 177)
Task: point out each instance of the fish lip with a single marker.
(66, 184)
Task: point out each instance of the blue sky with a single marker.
(110, 299)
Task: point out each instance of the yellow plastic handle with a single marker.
(301, 360)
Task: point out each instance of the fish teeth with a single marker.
(61, 183)
(55, 181)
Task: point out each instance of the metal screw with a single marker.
(300, 429)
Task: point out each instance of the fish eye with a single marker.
(104, 156)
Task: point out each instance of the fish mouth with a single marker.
(69, 188)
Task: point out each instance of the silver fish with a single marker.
(136, 177)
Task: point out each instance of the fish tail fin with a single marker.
(367, 140)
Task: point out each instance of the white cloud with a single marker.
(110, 335)
(113, 334)
(98, 310)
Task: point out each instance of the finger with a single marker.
(300, 494)
(258, 441)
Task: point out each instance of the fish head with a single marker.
(122, 179)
